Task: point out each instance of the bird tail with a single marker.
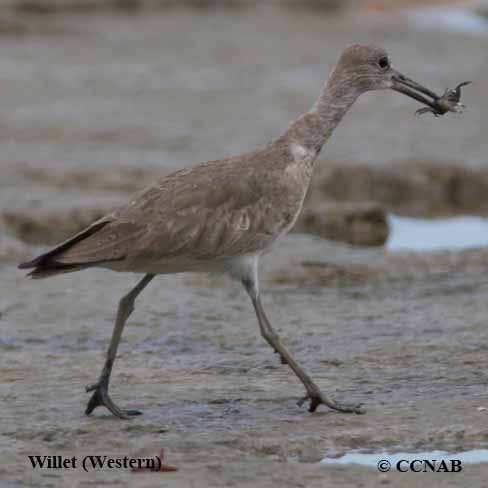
(46, 264)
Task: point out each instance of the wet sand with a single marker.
(405, 335)
(403, 332)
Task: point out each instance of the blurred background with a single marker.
(100, 97)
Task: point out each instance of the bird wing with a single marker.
(217, 209)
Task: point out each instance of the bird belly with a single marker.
(233, 265)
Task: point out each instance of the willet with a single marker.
(221, 216)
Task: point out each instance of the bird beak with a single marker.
(413, 89)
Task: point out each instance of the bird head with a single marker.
(367, 68)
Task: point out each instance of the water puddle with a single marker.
(435, 234)
(476, 456)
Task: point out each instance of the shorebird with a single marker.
(221, 216)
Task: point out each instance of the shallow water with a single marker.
(429, 235)
(474, 456)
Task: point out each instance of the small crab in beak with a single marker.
(436, 104)
(449, 102)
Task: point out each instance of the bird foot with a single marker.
(100, 398)
(319, 398)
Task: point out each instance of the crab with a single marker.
(448, 102)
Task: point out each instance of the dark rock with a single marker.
(362, 224)
(414, 188)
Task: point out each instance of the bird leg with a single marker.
(282, 359)
(100, 388)
(314, 394)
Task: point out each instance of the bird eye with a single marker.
(384, 63)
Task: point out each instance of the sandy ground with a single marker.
(403, 333)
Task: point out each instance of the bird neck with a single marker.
(314, 128)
